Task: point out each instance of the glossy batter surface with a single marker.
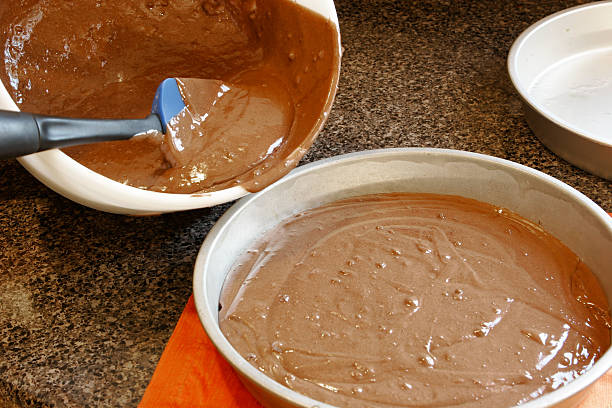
(105, 59)
(415, 300)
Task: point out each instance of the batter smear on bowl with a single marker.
(105, 59)
(415, 300)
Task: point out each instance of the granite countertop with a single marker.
(88, 300)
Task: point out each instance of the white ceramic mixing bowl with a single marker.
(564, 212)
(71, 179)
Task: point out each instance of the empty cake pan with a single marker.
(562, 68)
(561, 210)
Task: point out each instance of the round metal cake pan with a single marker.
(561, 67)
(561, 210)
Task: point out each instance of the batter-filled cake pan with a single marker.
(559, 209)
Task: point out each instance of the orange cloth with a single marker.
(600, 394)
(191, 373)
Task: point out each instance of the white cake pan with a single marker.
(562, 68)
(561, 210)
(69, 178)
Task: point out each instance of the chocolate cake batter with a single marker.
(415, 300)
(105, 59)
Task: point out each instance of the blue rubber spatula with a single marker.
(24, 133)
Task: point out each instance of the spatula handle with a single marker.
(24, 133)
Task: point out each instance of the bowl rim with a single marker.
(513, 62)
(245, 369)
(57, 170)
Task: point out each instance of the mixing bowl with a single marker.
(562, 68)
(564, 212)
(78, 183)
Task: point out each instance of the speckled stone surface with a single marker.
(88, 299)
